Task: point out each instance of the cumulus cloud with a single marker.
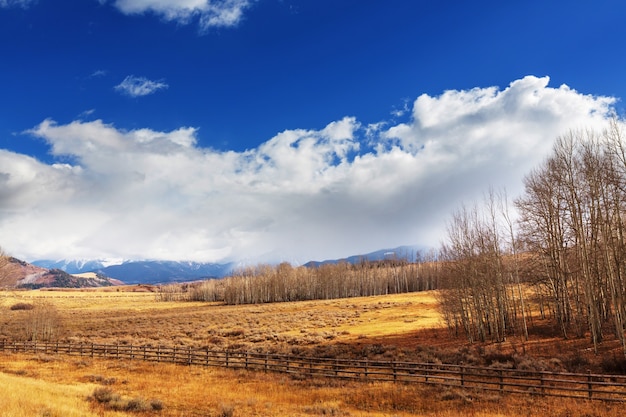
(303, 194)
(139, 86)
(210, 13)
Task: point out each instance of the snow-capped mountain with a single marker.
(74, 266)
(142, 272)
(409, 253)
(156, 272)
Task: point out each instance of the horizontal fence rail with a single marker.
(569, 385)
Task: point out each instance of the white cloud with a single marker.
(301, 195)
(17, 3)
(139, 86)
(210, 13)
(98, 73)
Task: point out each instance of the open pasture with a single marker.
(394, 327)
(138, 318)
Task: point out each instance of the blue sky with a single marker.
(282, 129)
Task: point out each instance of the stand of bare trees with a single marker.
(283, 282)
(481, 296)
(572, 225)
(573, 219)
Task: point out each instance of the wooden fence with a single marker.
(570, 385)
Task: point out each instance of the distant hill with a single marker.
(20, 274)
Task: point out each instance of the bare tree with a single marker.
(572, 216)
(6, 269)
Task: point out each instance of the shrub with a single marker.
(137, 404)
(497, 358)
(101, 379)
(614, 364)
(104, 395)
(113, 401)
(234, 333)
(576, 362)
(156, 405)
(22, 306)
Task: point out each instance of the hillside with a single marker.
(20, 274)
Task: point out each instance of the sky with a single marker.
(283, 130)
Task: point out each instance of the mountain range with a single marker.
(20, 274)
(159, 272)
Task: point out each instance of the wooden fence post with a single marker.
(462, 376)
(501, 380)
(589, 384)
(266, 359)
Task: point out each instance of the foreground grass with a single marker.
(25, 396)
(55, 386)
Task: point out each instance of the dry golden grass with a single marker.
(137, 318)
(23, 395)
(405, 326)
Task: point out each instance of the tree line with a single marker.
(568, 243)
(284, 282)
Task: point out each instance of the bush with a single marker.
(104, 395)
(137, 404)
(113, 401)
(614, 365)
(22, 306)
(156, 405)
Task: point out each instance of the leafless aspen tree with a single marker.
(572, 217)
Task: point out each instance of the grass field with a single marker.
(397, 326)
(135, 317)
